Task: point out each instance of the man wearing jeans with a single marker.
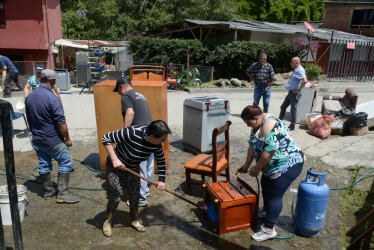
(135, 111)
(262, 74)
(294, 86)
(9, 74)
(50, 137)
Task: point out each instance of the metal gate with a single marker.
(350, 60)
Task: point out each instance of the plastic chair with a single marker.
(211, 164)
(14, 116)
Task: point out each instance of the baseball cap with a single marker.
(121, 81)
(39, 68)
(47, 75)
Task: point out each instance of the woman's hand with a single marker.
(242, 170)
(118, 164)
(160, 185)
(254, 171)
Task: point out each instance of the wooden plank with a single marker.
(231, 191)
(220, 192)
(241, 188)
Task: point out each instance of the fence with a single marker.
(350, 60)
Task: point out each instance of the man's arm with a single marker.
(63, 128)
(303, 82)
(250, 76)
(26, 89)
(129, 117)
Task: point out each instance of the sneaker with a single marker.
(141, 204)
(147, 194)
(264, 235)
(291, 128)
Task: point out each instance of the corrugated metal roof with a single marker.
(347, 1)
(324, 34)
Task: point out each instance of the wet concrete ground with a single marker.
(170, 222)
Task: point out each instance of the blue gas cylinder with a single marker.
(312, 197)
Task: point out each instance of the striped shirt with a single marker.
(132, 148)
(262, 75)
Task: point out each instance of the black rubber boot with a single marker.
(107, 225)
(7, 93)
(64, 196)
(49, 191)
(265, 110)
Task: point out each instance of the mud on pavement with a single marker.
(170, 222)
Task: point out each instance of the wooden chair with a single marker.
(367, 232)
(211, 164)
(171, 76)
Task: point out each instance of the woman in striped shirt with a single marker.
(134, 145)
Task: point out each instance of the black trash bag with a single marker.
(358, 120)
(345, 112)
(330, 112)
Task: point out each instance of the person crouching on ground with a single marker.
(134, 145)
(279, 159)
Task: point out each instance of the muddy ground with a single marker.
(170, 222)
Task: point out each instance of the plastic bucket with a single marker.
(20, 105)
(5, 207)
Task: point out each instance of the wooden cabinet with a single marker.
(235, 204)
(108, 109)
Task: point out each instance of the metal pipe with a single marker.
(6, 123)
(329, 58)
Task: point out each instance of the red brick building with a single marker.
(352, 16)
(28, 30)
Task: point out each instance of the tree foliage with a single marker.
(119, 19)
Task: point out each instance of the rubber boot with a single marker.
(64, 196)
(265, 110)
(7, 93)
(134, 217)
(107, 225)
(49, 191)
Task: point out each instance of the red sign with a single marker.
(309, 26)
(351, 45)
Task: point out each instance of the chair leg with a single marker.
(27, 124)
(214, 178)
(227, 174)
(188, 182)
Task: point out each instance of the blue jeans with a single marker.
(147, 171)
(260, 91)
(273, 191)
(59, 152)
(292, 99)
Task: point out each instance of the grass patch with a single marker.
(355, 205)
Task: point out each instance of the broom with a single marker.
(171, 192)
